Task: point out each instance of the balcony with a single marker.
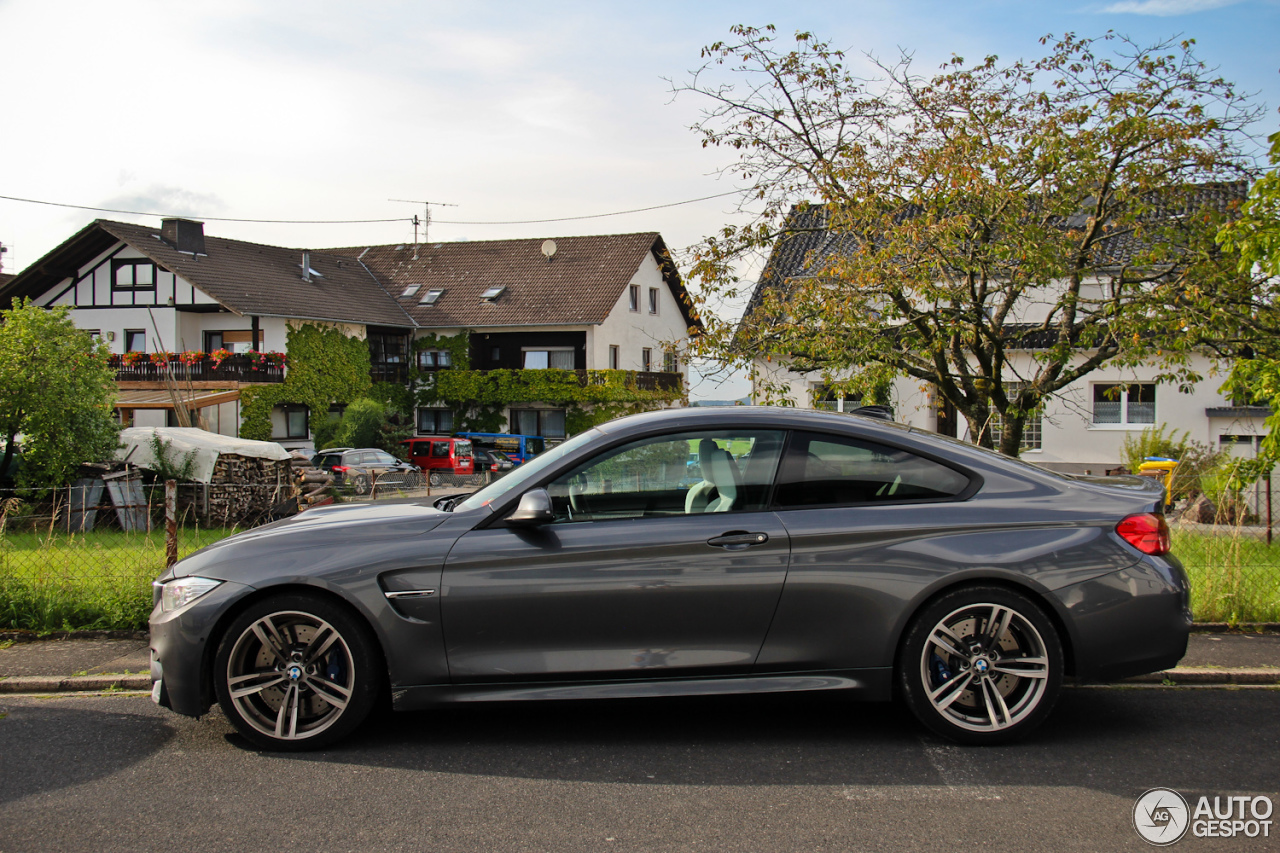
(397, 372)
(641, 380)
(240, 367)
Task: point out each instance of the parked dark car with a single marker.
(843, 553)
(359, 468)
(495, 462)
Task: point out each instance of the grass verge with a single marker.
(99, 580)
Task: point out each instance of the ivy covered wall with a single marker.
(325, 367)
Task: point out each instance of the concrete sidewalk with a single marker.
(97, 661)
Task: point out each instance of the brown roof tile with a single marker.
(254, 279)
(579, 285)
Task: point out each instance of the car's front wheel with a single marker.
(981, 665)
(296, 671)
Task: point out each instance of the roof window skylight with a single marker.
(492, 294)
(410, 290)
(431, 296)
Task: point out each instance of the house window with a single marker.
(295, 421)
(431, 297)
(1117, 404)
(409, 290)
(491, 294)
(646, 359)
(670, 362)
(653, 300)
(827, 399)
(613, 358)
(435, 421)
(238, 341)
(434, 359)
(132, 274)
(544, 422)
(135, 340)
(1032, 436)
(560, 358)
(635, 297)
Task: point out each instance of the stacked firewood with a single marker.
(314, 484)
(245, 488)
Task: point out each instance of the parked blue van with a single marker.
(520, 448)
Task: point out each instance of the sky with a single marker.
(510, 111)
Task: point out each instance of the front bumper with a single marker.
(181, 657)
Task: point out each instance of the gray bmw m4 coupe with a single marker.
(688, 552)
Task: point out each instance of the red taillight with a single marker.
(341, 469)
(1147, 532)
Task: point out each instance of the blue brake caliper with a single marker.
(939, 670)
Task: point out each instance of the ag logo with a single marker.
(1161, 816)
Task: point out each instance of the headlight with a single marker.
(182, 591)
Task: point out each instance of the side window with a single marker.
(440, 449)
(830, 470)
(686, 473)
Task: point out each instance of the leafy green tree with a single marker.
(968, 214)
(362, 423)
(57, 393)
(1255, 239)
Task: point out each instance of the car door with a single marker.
(638, 577)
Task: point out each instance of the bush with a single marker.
(1194, 459)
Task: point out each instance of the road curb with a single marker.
(1209, 675)
(74, 683)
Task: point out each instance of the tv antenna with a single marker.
(424, 221)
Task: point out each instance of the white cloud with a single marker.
(1166, 8)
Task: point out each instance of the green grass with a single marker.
(99, 580)
(1235, 577)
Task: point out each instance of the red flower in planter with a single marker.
(218, 356)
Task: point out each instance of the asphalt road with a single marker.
(115, 773)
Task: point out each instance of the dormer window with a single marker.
(410, 290)
(492, 293)
(431, 296)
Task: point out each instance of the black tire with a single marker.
(950, 647)
(360, 484)
(283, 693)
(436, 479)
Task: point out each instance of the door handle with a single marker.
(738, 540)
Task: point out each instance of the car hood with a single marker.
(312, 538)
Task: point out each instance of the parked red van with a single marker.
(440, 455)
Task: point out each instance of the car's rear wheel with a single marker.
(360, 484)
(981, 665)
(436, 479)
(296, 672)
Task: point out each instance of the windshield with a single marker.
(525, 474)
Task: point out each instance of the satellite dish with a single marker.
(549, 248)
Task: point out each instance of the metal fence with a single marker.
(79, 558)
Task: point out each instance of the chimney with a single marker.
(306, 265)
(185, 235)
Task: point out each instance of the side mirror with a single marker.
(534, 509)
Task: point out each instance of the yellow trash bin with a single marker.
(1161, 468)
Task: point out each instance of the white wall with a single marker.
(1070, 439)
(631, 331)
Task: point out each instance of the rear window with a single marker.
(327, 460)
(462, 448)
(828, 470)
